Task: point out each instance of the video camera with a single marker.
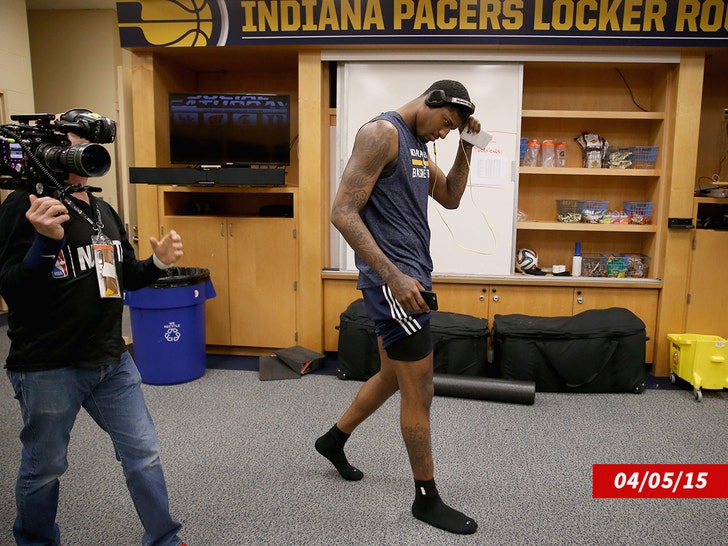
(37, 154)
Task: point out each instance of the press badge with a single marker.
(105, 261)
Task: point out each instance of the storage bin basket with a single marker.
(644, 157)
(594, 211)
(618, 157)
(568, 210)
(639, 212)
(617, 265)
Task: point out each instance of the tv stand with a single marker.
(208, 176)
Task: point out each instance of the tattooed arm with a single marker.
(376, 149)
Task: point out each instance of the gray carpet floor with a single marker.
(241, 468)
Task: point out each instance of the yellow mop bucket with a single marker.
(701, 360)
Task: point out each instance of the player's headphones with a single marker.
(437, 99)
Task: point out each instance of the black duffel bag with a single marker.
(600, 350)
(459, 341)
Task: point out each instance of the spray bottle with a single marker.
(576, 261)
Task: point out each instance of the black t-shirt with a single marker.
(56, 316)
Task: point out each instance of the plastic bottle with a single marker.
(561, 154)
(548, 153)
(532, 149)
(576, 261)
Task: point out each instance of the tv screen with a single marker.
(229, 128)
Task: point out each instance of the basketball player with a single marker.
(381, 210)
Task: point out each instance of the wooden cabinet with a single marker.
(547, 301)
(252, 261)
(469, 299)
(262, 279)
(642, 302)
(490, 297)
(555, 301)
(235, 223)
(205, 245)
(707, 297)
(626, 105)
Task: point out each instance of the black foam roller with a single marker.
(485, 388)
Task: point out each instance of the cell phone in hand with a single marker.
(430, 299)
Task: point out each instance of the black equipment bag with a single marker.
(358, 353)
(460, 344)
(600, 350)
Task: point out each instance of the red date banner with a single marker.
(651, 481)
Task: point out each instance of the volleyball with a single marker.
(526, 259)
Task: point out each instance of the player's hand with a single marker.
(406, 290)
(472, 124)
(47, 216)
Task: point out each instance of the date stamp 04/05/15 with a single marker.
(659, 481)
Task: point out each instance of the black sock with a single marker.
(331, 446)
(428, 507)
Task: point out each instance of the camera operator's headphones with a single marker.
(437, 99)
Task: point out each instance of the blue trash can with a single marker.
(168, 325)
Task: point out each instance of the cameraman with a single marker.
(67, 351)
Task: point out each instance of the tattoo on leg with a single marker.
(419, 448)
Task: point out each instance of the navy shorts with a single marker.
(405, 335)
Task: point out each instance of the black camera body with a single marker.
(36, 152)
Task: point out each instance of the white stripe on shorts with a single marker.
(409, 324)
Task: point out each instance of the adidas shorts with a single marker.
(405, 336)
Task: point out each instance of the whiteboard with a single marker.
(478, 237)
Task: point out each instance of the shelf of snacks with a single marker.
(581, 171)
(581, 226)
(592, 164)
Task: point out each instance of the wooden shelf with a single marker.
(579, 226)
(593, 97)
(517, 279)
(592, 114)
(580, 171)
(714, 200)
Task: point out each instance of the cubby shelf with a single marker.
(592, 114)
(579, 226)
(580, 171)
(629, 108)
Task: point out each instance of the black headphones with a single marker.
(437, 99)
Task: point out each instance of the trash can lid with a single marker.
(181, 276)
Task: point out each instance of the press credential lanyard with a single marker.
(103, 253)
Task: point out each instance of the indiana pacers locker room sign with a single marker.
(204, 23)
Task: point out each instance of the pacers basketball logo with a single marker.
(173, 23)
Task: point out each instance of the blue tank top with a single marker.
(396, 212)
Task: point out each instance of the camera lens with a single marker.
(86, 159)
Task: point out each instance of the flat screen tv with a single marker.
(239, 129)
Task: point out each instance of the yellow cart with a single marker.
(701, 360)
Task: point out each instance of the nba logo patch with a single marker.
(60, 270)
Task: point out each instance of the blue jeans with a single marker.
(112, 396)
